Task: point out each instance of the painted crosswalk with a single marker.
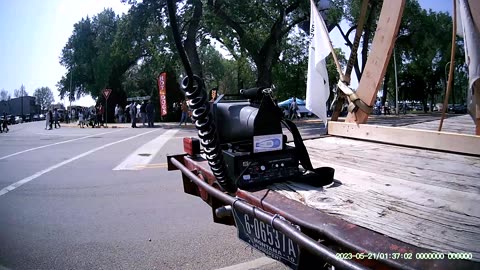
(140, 159)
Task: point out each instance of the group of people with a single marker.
(91, 117)
(146, 113)
(379, 108)
(52, 118)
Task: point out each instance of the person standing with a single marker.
(50, 119)
(80, 119)
(387, 108)
(117, 117)
(150, 110)
(55, 118)
(184, 109)
(47, 119)
(378, 105)
(93, 116)
(4, 127)
(213, 94)
(293, 109)
(100, 112)
(86, 116)
(133, 114)
(120, 115)
(143, 112)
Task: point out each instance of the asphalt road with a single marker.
(74, 198)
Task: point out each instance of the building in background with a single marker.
(20, 106)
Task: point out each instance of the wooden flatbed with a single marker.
(386, 199)
(421, 197)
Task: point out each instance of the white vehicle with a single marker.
(18, 119)
(301, 107)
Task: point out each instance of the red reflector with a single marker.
(191, 146)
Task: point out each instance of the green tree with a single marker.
(101, 50)
(88, 56)
(350, 11)
(424, 46)
(4, 95)
(43, 97)
(256, 28)
(289, 73)
(212, 62)
(21, 92)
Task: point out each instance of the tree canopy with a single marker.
(43, 97)
(265, 47)
(4, 95)
(20, 92)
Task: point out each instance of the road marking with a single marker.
(260, 262)
(143, 155)
(54, 134)
(57, 143)
(49, 169)
(152, 166)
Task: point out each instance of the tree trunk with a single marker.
(432, 100)
(264, 76)
(386, 79)
(453, 94)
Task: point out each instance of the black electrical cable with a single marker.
(176, 36)
(194, 88)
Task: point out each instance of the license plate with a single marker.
(266, 239)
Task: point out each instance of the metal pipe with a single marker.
(303, 240)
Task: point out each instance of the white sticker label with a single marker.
(266, 143)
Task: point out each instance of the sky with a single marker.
(33, 33)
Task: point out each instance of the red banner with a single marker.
(162, 90)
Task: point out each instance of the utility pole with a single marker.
(21, 99)
(396, 82)
(70, 94)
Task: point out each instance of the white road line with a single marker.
(56, 134)
(143, 155)
(57, 143)
(260, 262)
(40, 173)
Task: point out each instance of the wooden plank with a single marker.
(457, 124)
(443, 141)
(420, 197)
(382, 46)
(415, 165)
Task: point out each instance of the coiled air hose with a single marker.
(207, 130)
(194, 88)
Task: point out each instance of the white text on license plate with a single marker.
(265, 238)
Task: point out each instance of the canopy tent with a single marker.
(286, 103)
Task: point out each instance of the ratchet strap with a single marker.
(314, 176)
(355, 102)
